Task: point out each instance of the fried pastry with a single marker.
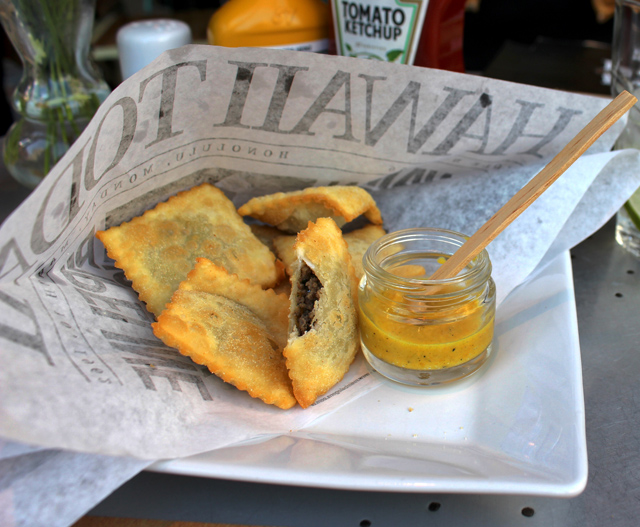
(323, 320)
(283, 246)
(292, 211)
(235, 328)
(358, 242)
(265, 233)
(158, 249)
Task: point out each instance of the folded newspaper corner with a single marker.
(80, 368)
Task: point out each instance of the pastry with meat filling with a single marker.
(323, 320)
(358, 242)
(292, 211)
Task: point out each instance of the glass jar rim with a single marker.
(479, 271)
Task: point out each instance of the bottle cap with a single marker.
(139, 43)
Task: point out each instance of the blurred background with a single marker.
(492, 24)
(561, 44)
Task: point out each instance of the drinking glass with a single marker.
(626, 76)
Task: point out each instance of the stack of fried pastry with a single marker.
(283, 326)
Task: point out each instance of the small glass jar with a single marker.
(419, 331)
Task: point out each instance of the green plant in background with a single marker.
(60, 89)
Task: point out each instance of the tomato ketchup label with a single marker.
(387, 30)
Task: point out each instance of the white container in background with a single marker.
(139, 43)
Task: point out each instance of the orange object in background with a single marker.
(420, 32)
(301, 25)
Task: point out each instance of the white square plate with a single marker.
(515, 427)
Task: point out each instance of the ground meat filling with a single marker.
(307, 293)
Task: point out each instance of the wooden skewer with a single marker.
(536, 186)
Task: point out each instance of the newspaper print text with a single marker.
(434, 126)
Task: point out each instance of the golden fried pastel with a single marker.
(158, 249)
(292, 211)
(323, 320)
(235, 328)
(358, 242)
(265, 233)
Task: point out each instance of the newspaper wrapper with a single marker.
(81, 370)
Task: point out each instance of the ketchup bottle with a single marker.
(422, 32)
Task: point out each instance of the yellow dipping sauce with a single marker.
(438, 342)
